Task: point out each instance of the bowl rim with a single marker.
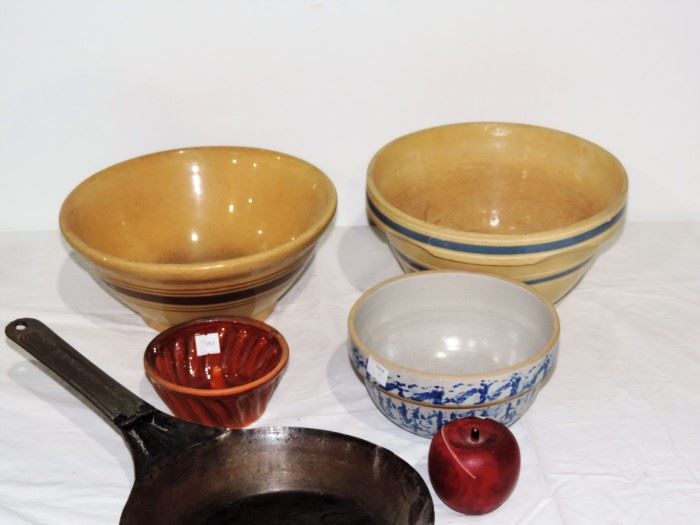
(204, 269)
(540, 354)
(611, 213)
(153, 374)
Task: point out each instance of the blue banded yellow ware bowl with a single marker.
(200, 232)
(525, 202)
(433, 346)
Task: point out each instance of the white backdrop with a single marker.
(86, 84)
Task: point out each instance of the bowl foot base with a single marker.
(263, 314)
(158, 327)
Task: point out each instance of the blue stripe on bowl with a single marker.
(496, 250)
(420, 267)
(408, 261)
(560, 274)
(205, 298)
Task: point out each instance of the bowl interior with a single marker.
(198, 204)
(249, 352)
(505, 179)
(454, 323)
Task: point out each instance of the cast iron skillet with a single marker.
(192, 474)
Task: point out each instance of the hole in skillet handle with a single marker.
(14, 330)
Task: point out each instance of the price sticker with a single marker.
(207, 344)
(377, 372)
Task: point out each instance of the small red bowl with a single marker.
(229, 387)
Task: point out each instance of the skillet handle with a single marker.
(113, 400)
(151, 434)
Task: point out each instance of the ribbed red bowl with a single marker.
(230, 388)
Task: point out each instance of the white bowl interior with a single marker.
(453, 323)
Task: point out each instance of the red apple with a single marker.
(474, 464)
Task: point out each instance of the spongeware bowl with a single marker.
(199, 232)
(426, 420)
(525, 202)
(229, 387)
(453, 339)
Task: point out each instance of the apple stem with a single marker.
(475, 434)
(452, 453)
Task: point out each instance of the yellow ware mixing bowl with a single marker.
(199, 232)
(525, 202)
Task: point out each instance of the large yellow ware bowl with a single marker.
(525, 202)
(200, 232)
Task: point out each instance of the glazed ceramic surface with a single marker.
(526, 202)
(453, 339)
(230, 387)
(426, 420)
(200, 232)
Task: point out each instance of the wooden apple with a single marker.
(474, 464)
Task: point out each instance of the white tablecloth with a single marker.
(614, 437)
